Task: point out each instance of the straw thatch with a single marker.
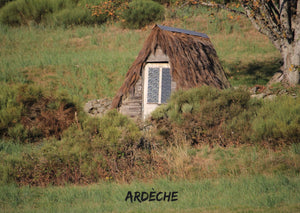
(192, 57)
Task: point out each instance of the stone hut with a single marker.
(170, 59)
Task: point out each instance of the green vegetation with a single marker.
(258, 194)
(70, 61)
(27, 113)
(83, 154)
(113, 147)
(51, 13)
(136, 14)
(221, 150)
(57, 58)
(278, 121)
(3, 2)
(228, 117)
(141, 13)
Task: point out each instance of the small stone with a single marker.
(258, 96)
(97, 107)
(270, 97)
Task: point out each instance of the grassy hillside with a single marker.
(84, 61)
(91, 62)
(47, 72)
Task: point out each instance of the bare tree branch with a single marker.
(273, 11)
(285, 19)
(256, 12)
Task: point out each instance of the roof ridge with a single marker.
(178, 30)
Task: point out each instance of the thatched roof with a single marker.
(192, 57)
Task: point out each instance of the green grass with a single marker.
(202, 162)
(212, 179)
(84, 61)
(91, 62)
(247, 56)
(255, 194)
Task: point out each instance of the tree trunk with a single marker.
(279, 20)
(290, 49)
(291, 63)
(281, 23)
(289, 74)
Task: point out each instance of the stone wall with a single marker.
(97, 107)
(132, 105)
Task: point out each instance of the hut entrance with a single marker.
(157, 86)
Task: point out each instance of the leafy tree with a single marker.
(279, 20)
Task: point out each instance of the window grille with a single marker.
(159, 85)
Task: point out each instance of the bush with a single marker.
(28, 114)
(167, 2)
(200, 115)
(142, 12)
(22, 12)
(3, 2)
(10, 110)
(102, 148)
(51, 12)
(77, 16)
(207, 115)
(278, 121)
(115, 132)
(239, 128)
(211, 104)
(109, 9)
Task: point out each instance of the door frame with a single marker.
(150, 107)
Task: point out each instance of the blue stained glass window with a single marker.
(153, 85)
(165, 85)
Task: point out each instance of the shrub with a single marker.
(51, 12)
(3, 2)
(77, 16)
(10, 14)
(207, 115)
(142, 12)
(200, 115)
(18, 132)
(28, 114)
(278, 121)
(45, 115)
(167, 2)
(239, 128)
(115, 132)
(109, 9)
(103, 148)
(22, 12)
(10, 110)
(210, 103)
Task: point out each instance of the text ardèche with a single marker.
(151, 196)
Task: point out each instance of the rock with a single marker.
(270, 97)
(257, 89)
(277, 77)
(253, 90)
(97, 107)
(258, 96)
(283, 92)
